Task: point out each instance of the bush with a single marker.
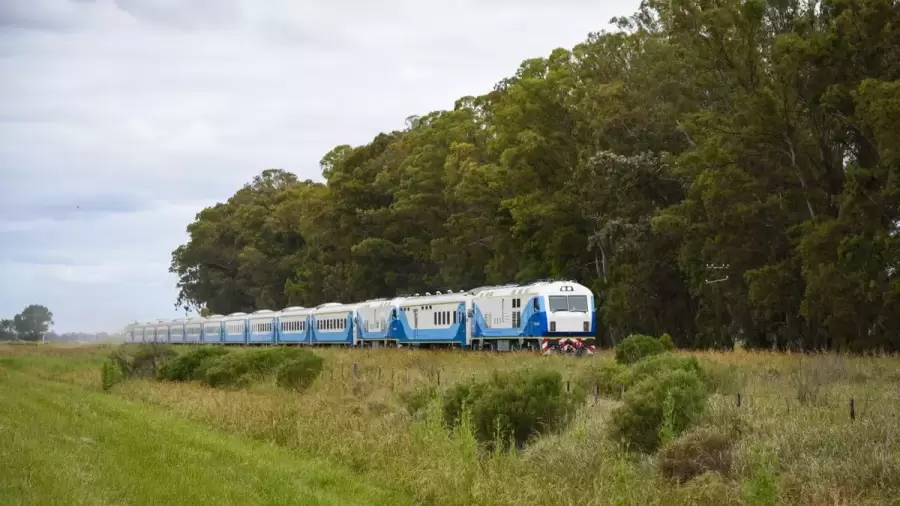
(419, 399)
(608, 378)
(642, 420)
(655, 365)
(191, 365)
(110, 374)
(696, 452)
(512, 405)
(144, 362)
(241, 368)
(667, 342)
(299, 373)
(636, 347)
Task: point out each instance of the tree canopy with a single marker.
(29, 325)
(715, 170)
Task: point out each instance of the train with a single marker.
(545, 316)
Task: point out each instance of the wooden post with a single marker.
(356, 370)
(738, 399)
(852, 410)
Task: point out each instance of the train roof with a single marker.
(542, 287)
(382, 302)
(436, 298)
(328, 307)
(296, 310)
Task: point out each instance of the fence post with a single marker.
(439, 377)
(852, 410)
(356, 370)
(738, 399)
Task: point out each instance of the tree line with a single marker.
(716, 170)
(29, 325)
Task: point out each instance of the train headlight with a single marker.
(552, 326)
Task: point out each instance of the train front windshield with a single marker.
(574, 303)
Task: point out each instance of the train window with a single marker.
(454, 317)
(537, 306)
(578, 303)
(516, 319)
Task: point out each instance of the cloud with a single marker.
(121, 119)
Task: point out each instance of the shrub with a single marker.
(299, 373)
(760, 482)
(110, 374)
(640, 420)
(636, 347)
(144, 362)
(512, 405)
(417, 400)
(608, 378)
(667, 342)
(191, 365)
(655, 365)
(696, 452)
(241, 368)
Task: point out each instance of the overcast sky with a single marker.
(120, 120)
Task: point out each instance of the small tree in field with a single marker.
(636, 347)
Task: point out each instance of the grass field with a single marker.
(350, 440)
(66, 443)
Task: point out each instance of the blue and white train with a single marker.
(543, 315)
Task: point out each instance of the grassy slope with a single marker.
(63, 444)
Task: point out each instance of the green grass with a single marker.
(66, 444)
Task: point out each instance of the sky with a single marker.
(121, 119)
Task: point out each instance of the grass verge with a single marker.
(65, 445)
